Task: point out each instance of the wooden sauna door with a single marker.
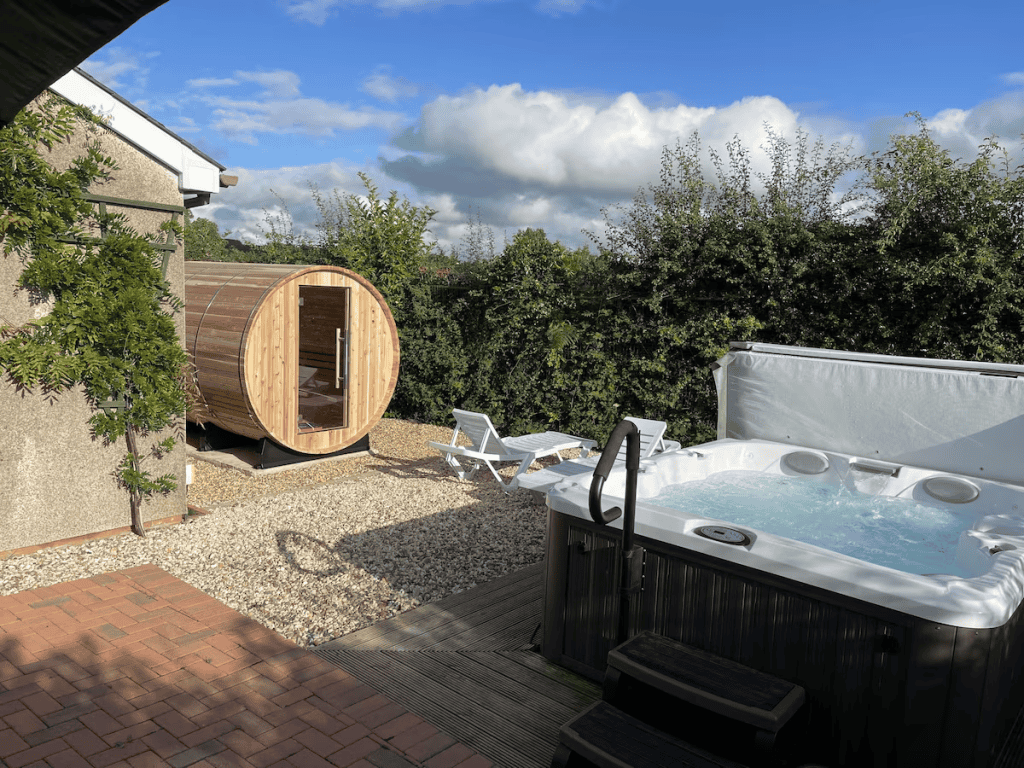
(323, 357)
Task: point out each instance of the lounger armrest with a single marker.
(469, 453)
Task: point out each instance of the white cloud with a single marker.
(318, 11)
(962, 131)
(1014, 78)
(280, 83)
(552, 161)
(559, 7)
(557, 142)
(281, 109)
(949, 122)
(242, 120)
(284, 192)
(384, 87)
(314, 11)
(211, 82)
(123, 68)
(187, 125)
(243, 209)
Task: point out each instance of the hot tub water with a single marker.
(898, 533)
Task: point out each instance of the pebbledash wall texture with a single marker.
(56, 479)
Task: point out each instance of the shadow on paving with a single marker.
(137, 667)
(464, 663)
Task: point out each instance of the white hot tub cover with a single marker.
(952, 416)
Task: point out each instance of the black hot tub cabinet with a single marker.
(903, 669)
(883, 688)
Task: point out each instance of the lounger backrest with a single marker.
(651, 438)
(481, 433)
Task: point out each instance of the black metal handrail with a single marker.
(632, 556)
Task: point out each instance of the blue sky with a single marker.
(540, 113)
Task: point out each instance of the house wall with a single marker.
(57, 480)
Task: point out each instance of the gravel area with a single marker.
(319, 552)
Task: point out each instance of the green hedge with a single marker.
(921, 255)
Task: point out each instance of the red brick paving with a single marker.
(137, 669)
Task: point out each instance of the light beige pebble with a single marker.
(317, 553)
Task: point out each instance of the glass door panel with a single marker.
(323, 357)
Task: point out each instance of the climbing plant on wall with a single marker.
(110, 327)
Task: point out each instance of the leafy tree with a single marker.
(385, 241)
(203, 240)
(109, 327)
(912, 253)
(41, 207)
(699, 262)
(950, 242)
(478, 242)
(436, 360)
(531, 322)
(284, 245)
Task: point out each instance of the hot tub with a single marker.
(907, 661)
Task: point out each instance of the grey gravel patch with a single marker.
(319, 562)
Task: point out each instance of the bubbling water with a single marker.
(893, 532)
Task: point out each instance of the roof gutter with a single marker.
(203, 198)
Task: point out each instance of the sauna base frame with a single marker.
(214, 438)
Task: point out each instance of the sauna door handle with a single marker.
(337, 358)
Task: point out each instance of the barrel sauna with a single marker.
(304, 356)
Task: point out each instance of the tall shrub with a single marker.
(384, 240)
(532, 325)
(950, 239)
(702, 262)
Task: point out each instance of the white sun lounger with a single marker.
(652, 442)
(488, 448)
(652, 439)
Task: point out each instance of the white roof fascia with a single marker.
(196, 173)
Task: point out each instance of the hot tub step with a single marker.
(608, 737)
(705, 680)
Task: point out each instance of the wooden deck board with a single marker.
(470, 675)
(468, 620)
(501, 633)
(495, 628)
(472, 725)
(502, 716)
(534, 670)
(463, 664)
